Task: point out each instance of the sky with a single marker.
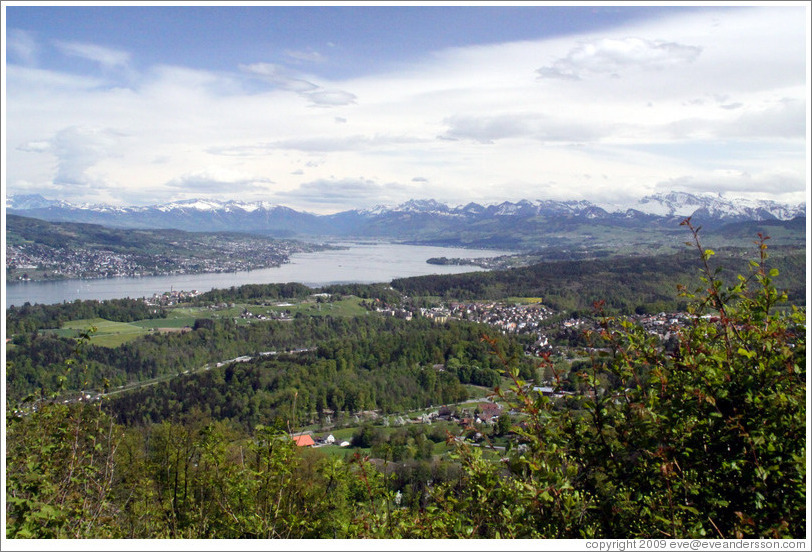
(325, 108)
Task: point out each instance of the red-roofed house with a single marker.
(303, 441)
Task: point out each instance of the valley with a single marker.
(399, 395)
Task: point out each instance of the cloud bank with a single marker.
(707, 100)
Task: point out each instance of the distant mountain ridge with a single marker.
(424, 220)
(716, 206)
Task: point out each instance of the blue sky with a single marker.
(326, 108)
(359, 39)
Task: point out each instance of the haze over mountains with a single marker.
(425, 220)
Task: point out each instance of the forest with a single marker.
(369, 352)
(623, 283)
(382, 364)
(700, 437)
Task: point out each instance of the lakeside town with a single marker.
(34, 261)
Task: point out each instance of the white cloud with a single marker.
(784, 184)
(345, 192)
(330, 97)
(782, 119)
(215, 180)
(614, 55)
(301, 84)
(106, 57)
(77, 150)
(310, 56)
(354, 142)
(486, 129)
(37, 146)
(21, 46)
(280, 76)
(22, 81)
(785, 118)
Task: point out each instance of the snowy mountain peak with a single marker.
(422, 206)
(375, 211)
(683, 204)
(196, 204)
(31, 201)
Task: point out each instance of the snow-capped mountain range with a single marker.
(672, 204)
(407, 220)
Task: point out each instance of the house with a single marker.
(303, 441)
(488, 411)
(548, 391)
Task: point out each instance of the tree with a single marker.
(503, 424)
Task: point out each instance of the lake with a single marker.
(364, 263)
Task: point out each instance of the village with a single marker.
(536, 319)
(33, 261)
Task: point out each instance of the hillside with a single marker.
(37, 249)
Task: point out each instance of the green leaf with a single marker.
(689, 509)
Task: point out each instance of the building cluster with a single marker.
(268, 315)
(169, 298)
(58, 263)
(531, 319)
(513, 318)
(663, 324)
(510, 318)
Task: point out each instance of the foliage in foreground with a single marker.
(706, 439)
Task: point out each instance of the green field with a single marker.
(524, 300)
(349, 306)
(171, 321)
(107, 334)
